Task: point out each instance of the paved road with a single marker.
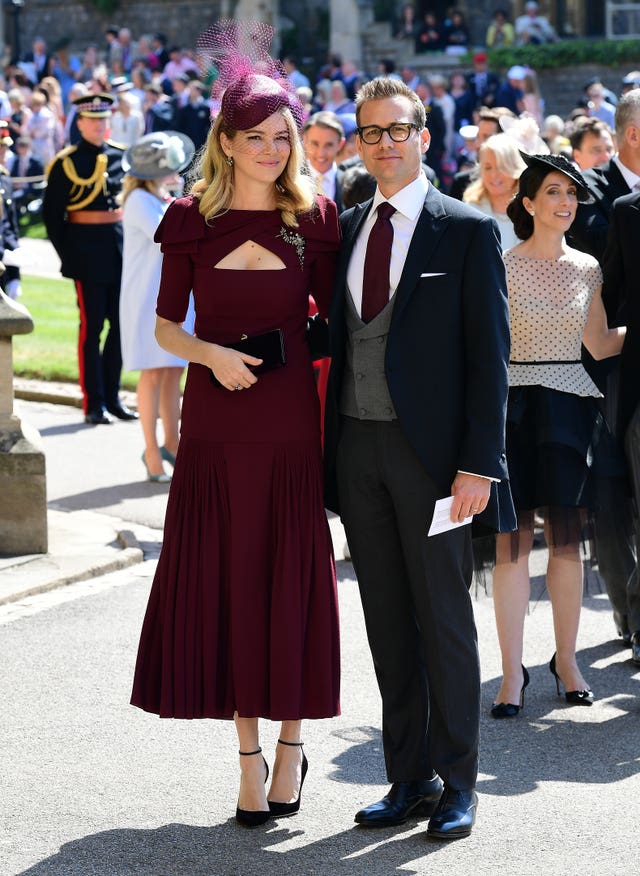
(89, 785)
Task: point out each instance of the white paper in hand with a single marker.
(442, 517)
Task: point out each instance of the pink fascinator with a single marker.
(250, 85)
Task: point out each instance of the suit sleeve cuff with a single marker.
(485, 477)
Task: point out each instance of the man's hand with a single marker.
(471, 495)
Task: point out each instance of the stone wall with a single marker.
(563, 87)
(83, 23)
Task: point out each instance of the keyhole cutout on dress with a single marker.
(251, 256)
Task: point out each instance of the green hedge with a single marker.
(567, 53)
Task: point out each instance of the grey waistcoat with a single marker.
(365, 394)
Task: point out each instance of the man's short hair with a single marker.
(627, 112)
(586, 125)
(324, 119)
(494, 113)
(384, 87)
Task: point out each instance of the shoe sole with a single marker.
(459, 833)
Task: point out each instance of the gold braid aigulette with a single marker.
(98, 181)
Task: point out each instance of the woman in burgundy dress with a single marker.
(242, 620)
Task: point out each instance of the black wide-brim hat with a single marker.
(158, 154)
(562, 165)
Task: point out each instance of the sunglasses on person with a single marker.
(399, 132)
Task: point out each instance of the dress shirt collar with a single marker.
(632, 179)
(408, 201)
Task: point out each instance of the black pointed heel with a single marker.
(251, 817)
(510, 710)
(282, 810)
(575, 697)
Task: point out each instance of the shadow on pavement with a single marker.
(552, 741)
(108, 497)
(227, 849)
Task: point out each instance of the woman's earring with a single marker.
(230, 160)
(533, 212)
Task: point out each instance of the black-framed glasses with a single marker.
(399, 132)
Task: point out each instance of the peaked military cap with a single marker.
(94, 106)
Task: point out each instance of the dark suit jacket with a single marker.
(588, 233)
(29, 59)
(447, 350)
(487, 94)
(194, 120)
(621, 296)
(589, 230)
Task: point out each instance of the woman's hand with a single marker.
(230, 367)
(600, 340)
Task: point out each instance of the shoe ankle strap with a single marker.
(284, 742)
(249, 753)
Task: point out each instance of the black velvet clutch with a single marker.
(268, 346)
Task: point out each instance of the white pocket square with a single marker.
(441, 274)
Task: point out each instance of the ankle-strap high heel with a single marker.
(251, 817)
(510, 710)
(575, 697)
(282, 810)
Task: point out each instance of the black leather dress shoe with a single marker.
(635, 647)
(404, 799)
(99, 417)
(122, 412)
(455, 815)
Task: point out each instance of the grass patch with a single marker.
(50, 352)
(32, 229)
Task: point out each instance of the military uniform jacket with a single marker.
(85, 177)
(9, 229)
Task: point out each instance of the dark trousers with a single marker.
(99, 369)
(417, 608)
(632, 451)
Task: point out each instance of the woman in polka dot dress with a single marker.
(552, 422)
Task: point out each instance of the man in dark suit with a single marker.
(27, 173)
(40, 58)
(614, 539)
(622, 299)
(322, 139)
(158, 109)
(483, 83)
(194, 119)
(415, 413)
(611, 180)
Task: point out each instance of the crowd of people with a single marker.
(429, 33)
(407, 212)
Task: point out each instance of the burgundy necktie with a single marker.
(375, 282)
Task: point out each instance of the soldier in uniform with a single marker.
(84, 223)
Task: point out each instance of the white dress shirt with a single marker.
(327, 182)
(408, 203)
(632, 179)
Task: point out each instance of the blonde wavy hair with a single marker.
(131, 183)
(508, 160)
(295, 190)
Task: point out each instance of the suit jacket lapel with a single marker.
(617, 184)
(431, 224)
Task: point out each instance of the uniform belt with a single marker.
(95, 217)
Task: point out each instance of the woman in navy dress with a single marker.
(242, 620)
